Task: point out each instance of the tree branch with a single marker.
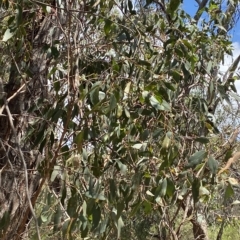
(202, 5)
(25, 167)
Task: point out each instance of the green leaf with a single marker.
(130, 5)
(149, 193)
(221, 27)
(236, 202)
(120, 225)
(195, 189)
(103, 226)
(123, 168)
(19, 15)
(64, 194)
(229, 192)
(5, 220)
(166, 142)
(79, 140)
(144, 63)
(203, 140)
(147, 207)
(137, 146)
(203, 191)
(9, 33)
(54, 52)
(107, 26)
(155, 103)
(127, 113)
(113, 189)
(96, 215)
(44, 216)
(120, 207)
(213, 165)
(57, 219)
(113, 102)
(55, 172)
(170, 188)
(72, 206)
(173, 6)
(196, 159)
(163, 187)
(94, 93)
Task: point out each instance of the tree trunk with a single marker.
(19, 176)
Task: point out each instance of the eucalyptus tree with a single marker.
(105, 115)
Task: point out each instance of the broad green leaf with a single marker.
(120, 225)
(155, 103)
(113, 189)
(203, 140)
(221, 27)
(9, 33)
(236, 202)
(64, 194)
(57, 218)
(164, 184)
(19, 15)
(130, 5)
(55, 172)
(96, 214)
(173, 6)
(120, 207)
(170, 188)
(196, 159)
(166, 106)
(127, 113)
(195, 189)
(107, 26)
(144, 63)
(213, 165)
(72, 205)
(45, 216)
(5, 220)
(123, 168)
(94, 93)
(137, 146)
(79, 140)
(229, 192)
(166, 142)
(149, 193)
(233, 181)
(203, 191)
(147, 207)
(113, 102)
(103, 226)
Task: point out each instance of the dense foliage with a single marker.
(108, 119)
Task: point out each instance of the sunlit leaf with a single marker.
(9, 33)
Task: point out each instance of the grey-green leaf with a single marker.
(213, 165)
(196, 159)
